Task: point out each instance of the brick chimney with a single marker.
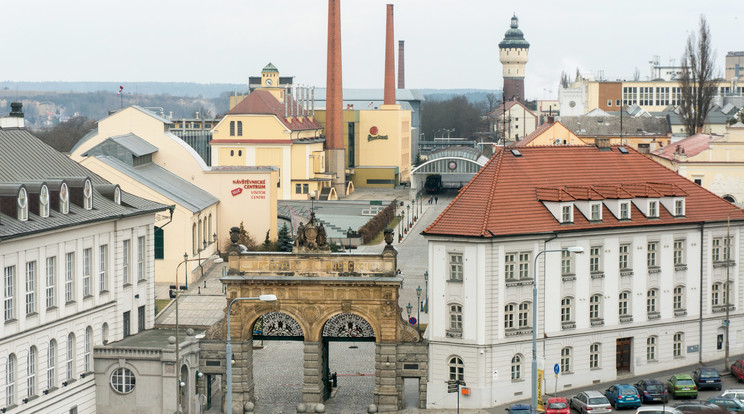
(334, 100)
(401, 66)
(389, 59)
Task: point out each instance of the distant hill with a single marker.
(188, 89)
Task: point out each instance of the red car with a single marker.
(737, 370)
(557, 405)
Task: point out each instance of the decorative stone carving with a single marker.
(346, 307)
(348, 325)
(311, 314)
(311, 237)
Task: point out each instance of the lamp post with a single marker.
(574, 249)
(409, 308)
(214, 238)
(178, 360)
(418, 307)
(312, 201)
(426, 288)
(408, 214)
(228, 346)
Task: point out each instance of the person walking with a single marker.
(436, 199)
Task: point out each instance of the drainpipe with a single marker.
(700, 322)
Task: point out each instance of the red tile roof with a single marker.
(690, 146)
(263, 102)
(504, 198)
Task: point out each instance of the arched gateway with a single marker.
(321, 296)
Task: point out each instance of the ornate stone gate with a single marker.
(322, 295)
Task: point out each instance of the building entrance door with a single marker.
(622, 346)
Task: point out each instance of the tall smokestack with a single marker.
(334, 100)
(389, 59)
(401, 66)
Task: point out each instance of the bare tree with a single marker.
(697, 82)
(636, 74)
(564, 79)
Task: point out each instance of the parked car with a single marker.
(707, 378)
(519, 409)
(593, 401)
(737, 370)
(737, 393)
(657, 410)
(729, 403)
(557, 405)
(623, 396)
(652, 390)
(682, 385)
(695, 407)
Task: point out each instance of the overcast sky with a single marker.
(449, 44)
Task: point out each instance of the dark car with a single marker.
(737, 370)
(707, 378)
(623, 396)
(652, 390)
(694, 407)
(730, 404)
(519, 409)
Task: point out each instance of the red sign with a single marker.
(236, 191)
(373, 130)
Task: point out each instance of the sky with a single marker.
(448, 44)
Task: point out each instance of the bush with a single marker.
(378, 222)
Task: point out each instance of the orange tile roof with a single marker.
(690, 146)
(263, 102)
(504, 198)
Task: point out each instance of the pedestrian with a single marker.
(436, 199)
(334, 379)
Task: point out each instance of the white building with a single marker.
(77, 260)
(654, 244)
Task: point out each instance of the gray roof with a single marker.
(165, 182)
(25, 158)
(590, 126)
(136, 145)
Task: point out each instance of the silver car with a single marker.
(737, 393)
(591, 401)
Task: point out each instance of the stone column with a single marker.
(242, 374)
(386, 375)
(312, 388)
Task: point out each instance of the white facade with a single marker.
(584, 315)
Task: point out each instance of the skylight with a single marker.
(516, 153)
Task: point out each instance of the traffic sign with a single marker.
(412, 320)
(556, 369)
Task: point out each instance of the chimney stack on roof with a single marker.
(15, 118)
(389, 59)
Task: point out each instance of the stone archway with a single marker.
(320, 293)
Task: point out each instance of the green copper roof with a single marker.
(514, 38)
(270, 68)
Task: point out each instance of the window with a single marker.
(509, 312)
(595, 259)
(298, 188)
(10, 376)
(70, 363)
(623, 309)
(232, 129)
(87, 195)
(679, 252)
(64, 199)
(594, 350)
(651, 295)
(455, 266)
(653, 209)
(87, 360)
(193, 239)
(44, 201)
(455, 317)
(102, 264)
(127, 322)
(653, 248)
(240, 128)
(625, 210)
(678, 343)
(596, 212)
(516, 367)
(305, 188)
(566, 263)
(87, 264)
(122, 380)
(22, 205)
(624, 256)
(651, 348)
(31, 372)
(721, 249)
(524, 313)
(141, 318)
(679, 208)
(125, 254)
(52, 364)
(141, 258)
(524, 265)
(69, 277)
(566, 354)
(9, 303)
(51, 281)
(719, 294)
(456, 369)
(566, 307)
(679, 298)
(595, 307)
(30, 287)
(567, 214)
(117, 195)
(509, 265)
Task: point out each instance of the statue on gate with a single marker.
(311, 237)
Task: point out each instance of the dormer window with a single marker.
(567, 213)
(625, 210)
(64, 199)
(117, 195)
(22, 205)
(653, 209)
(595, 212)
(88, 195)
(44, 201)
(679, 208)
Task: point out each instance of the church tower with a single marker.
(514, 52)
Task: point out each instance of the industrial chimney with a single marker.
(401, 66)
(334, 100)
(389, 59)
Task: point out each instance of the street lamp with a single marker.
(418, 307)
(312, 201)
(408, 213)
(214, 238)
(348, 237)
(409, 308)
(178, 360)
(573, 249)
(228, 346)
(426, 288)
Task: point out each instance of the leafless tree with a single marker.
(698, 79)
(636, 74)
(564, 79)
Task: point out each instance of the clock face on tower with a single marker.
(269, 82)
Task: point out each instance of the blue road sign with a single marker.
(412, 320)
(556, 369)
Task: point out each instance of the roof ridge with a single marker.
(487, 213)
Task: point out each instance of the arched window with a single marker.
(232, 128)
(516, 367)
(193, 238)
(52, 364)
(509, 312)
(594, 355)
(10, 377)
(566, 359)
(70, 363)
(117, 195)
(44, 201)
(31, 372)
(87, 360)
(88, 195)
(210, 234)
(64, 199)
(240, 128)
(679, 342)
(104, 333)
(200, 238)
(651, 348)
(205, 235)
(456, 369)
(22, 205)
